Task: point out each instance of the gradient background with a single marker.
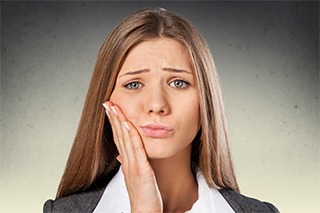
(267, 54)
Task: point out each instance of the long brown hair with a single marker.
(92, 160)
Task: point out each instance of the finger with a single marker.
(132, 141)
(118, 118)
(137, 150)
(138, 164)
(120, 126)
(127, 137)
(128, 143)
(124, 140)
(116, 127)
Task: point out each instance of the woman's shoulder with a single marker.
(241, 203)
(80, 202)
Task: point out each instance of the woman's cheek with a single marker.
(127, 104)
(129, 111)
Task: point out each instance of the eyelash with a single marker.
(129, 84)
(186, 84)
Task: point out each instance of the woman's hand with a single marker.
(139, 176)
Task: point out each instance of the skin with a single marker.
(156, 85)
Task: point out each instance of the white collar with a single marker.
(116, 199)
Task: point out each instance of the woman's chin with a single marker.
(157, 149)
(164, 149)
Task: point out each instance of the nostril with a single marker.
(157, 111)
(157, 104)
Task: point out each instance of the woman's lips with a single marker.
(156, 130)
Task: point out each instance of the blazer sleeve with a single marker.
(47, 207)
(244, 204)
(84, 202)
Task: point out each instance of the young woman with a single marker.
(159, 142)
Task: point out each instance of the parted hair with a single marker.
(92, 160)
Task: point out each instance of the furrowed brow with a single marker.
(136, 72)
(175, 70)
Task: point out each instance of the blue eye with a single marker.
(133, 85)
(179, 84)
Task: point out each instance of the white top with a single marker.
(116, 199)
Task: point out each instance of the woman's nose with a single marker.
(157, 102)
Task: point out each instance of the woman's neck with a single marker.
(176, 182)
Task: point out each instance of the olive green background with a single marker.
(267, 54)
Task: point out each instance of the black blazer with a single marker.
(87, 201)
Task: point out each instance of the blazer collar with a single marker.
(116, 199)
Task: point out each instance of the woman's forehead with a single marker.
(163, 52)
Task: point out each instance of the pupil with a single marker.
(178, 83)
(134, 85)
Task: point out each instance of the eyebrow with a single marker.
(135, 72)
(175, 70)
(167, 69)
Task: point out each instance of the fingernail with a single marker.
(107, 109)
(105, 106)
(126, 125)
(114, 110)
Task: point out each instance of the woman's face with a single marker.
(157, 91)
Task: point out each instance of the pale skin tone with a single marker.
(154, 114)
